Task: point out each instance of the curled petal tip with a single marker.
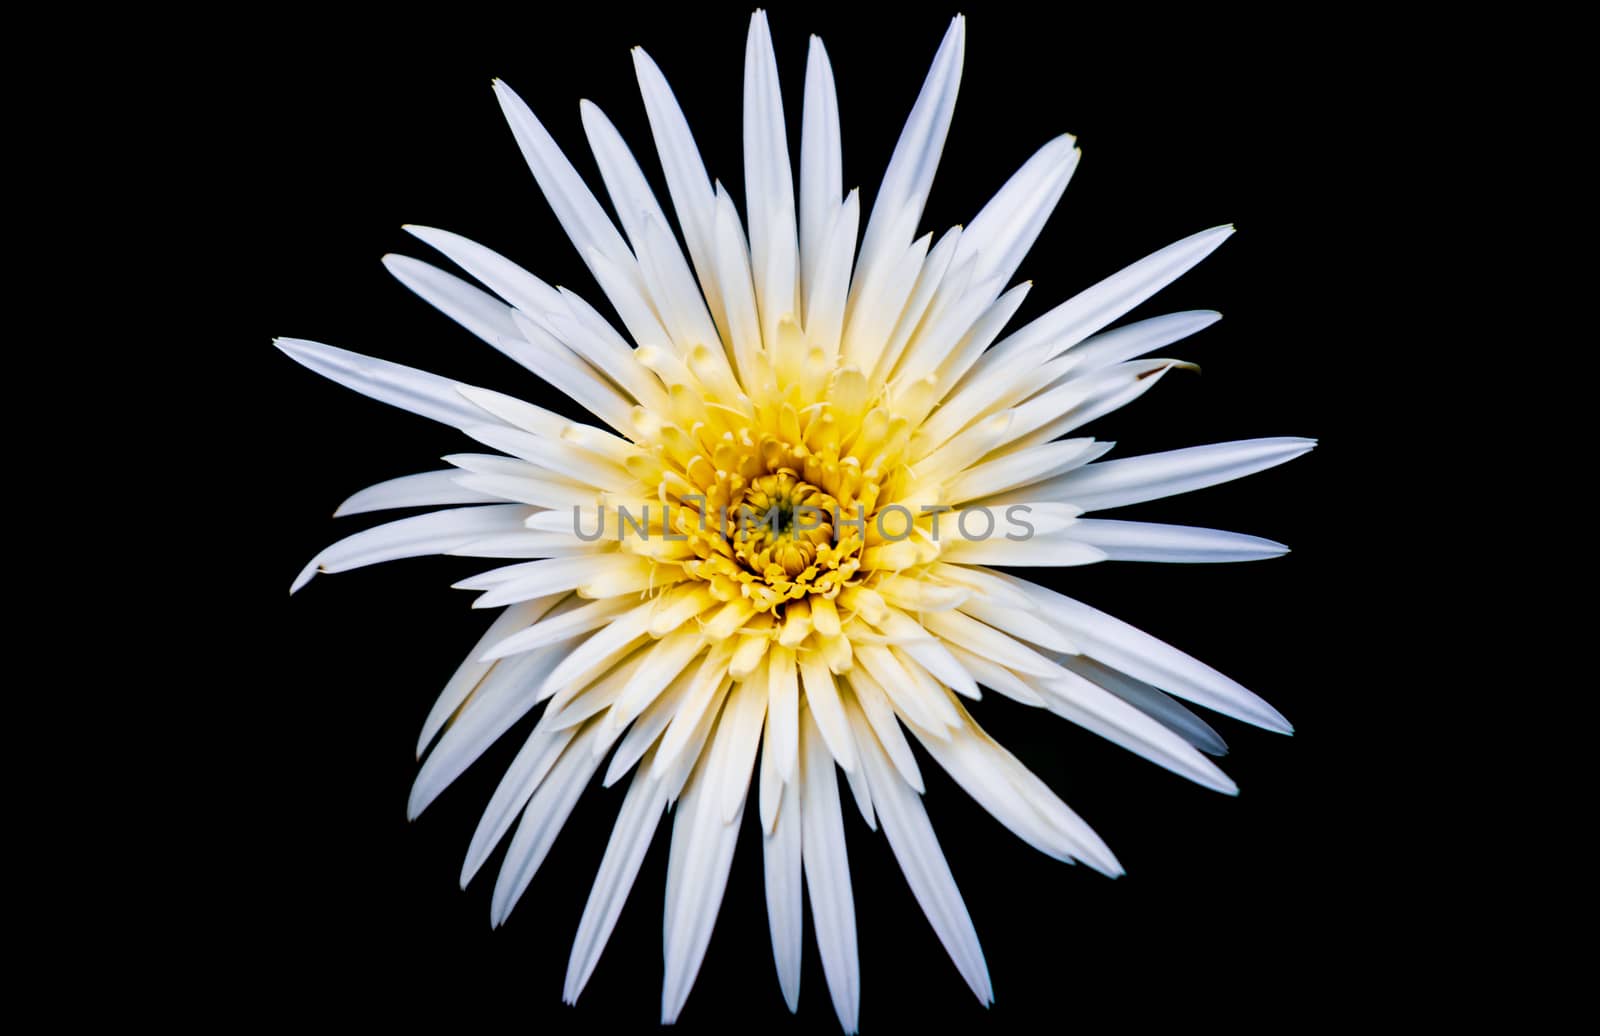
(303, 578)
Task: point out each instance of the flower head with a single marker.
(767, 563)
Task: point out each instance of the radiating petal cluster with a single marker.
(767, 562)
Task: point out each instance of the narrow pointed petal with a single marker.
(1096, 709)
(504, 696)
(911, 836)
(471, 672)
(405, 387)
(1009, 224)
(743, 713)
(697, 875)
(1154, 476)
(909, 177)
(1158, 705)
(769, 185)
(434, 533)
(581, 216)
(542, 820)
(783, 709)
(983, 769)
(821, 164)
(428, 489)
(1121, 646)
(521, 779)
(1149, 541)
(827, 868)
(579, 620)
(1137, 339)
(827, 711)
(781, 856)
(874, 708)
(687, 183)
(630, 840)
(477, 311)
(1095, 307)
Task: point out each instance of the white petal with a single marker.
(478, 312)
(552, 459)
(581, 216)
(637, 209)
(905, 822)
(827, 711)
(987, 642)
(549, 492)
(578, 701)
(567, 371)
(1156, 704)
(732, 278)
(1021, 468)
(697, 875)
(405, 387)
(521, 779)
(902, 687)
(780, 851)
(769, 188)
(1074, 403)
(972, 751)
(1116, 483)
(933, 344)
(983, 770)
(1137, 339)
(429, 489)
(821, 167)
(783, 709)
(526, 545)
(433, 533)
(1098, 710)
(566, 573)
(611, 642)
(996, 590)
(932, 265)
(643, 734)
(1009, 224)
(965, 352)
(997, 677)
(1024, 625)
(674, 292)
(1148, 541)
(1052, 552)
(515, 413)
(493, 270)
(502, 698)
(878, 713)
(829, 286)
(471, 672)
(937, 660)
(630, 840)
(1143, 657)
(568, 624)
(681, 744)
(1095, 307)
(542, 821)
(827, 869)
(669, 656)
(871, 316)
(909, 176)
(742, 715)
(690, 188)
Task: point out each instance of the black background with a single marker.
(315, 892)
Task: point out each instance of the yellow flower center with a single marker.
(771, 484)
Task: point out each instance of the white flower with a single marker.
(768, 560)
